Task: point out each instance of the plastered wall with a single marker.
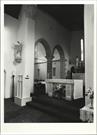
(10, 37)
(55, 34)
(75, 45)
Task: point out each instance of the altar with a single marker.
(72, 89)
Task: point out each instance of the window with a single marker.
(38, 71)
(82, 50)
(54, 71)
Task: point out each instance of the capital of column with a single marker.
(49, 58)
(62, 57)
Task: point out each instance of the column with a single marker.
(49, 67)
(26, 33)
(89, 47)
(62, 67)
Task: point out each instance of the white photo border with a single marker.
(46, 128)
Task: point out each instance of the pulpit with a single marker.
(22, 96)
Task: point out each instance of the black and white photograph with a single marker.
(48, 63)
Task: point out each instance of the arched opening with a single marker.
(43, 66)
(45, 45)
(43, 51)
(40, 73)
(58, 63)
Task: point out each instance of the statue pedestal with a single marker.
(86, 113)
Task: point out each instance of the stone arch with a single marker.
(46, 46)
(62, 60)
(48, 55)
(60, 50)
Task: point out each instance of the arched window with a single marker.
(82, 49)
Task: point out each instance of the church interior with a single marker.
(48, 69)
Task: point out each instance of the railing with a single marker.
(66, 84)
(73, 88)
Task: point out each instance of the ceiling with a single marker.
(70, 16)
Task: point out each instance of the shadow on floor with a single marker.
(16, 114)
(31, 113)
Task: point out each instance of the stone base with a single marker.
(22, 101)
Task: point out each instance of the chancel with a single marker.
(48, 63)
